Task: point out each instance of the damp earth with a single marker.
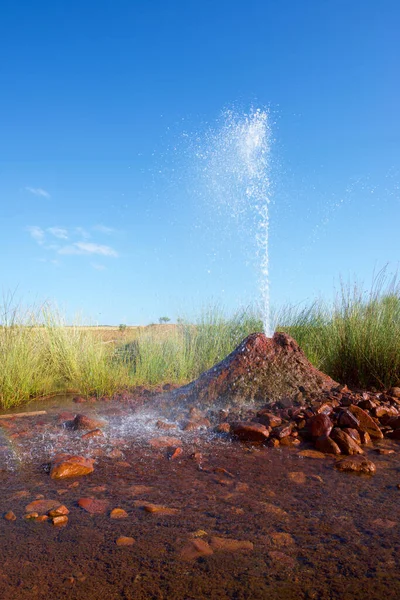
(188, 513)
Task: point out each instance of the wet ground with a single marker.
(342, 529)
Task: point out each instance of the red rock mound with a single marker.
(260, 370)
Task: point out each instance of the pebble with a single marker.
(125, 541)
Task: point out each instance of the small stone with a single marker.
(92, 434)
(118, 513)
(347, 419)
(175, 454)
(357, 463)
(269, 419)
(365, 438)
(160, 510)
(198, 533)
(326, 444)
(250, 432)
(125, 541)
(31, 515)
(320, 425)
(367, 424)
(41, 519)
(10, 516)
(59, 511)
(60, 521)
(85, 422)
(93, 505)
(290, 440)
(345, 442)
(384, 451)
(354, 434)
(165, 442)
(282, 431)
(194, 549)
(65, 465)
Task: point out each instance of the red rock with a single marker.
(31, 515)
(65, 465)
(194, 549)
(125, 541)
(165, 442)
(93, 505)
(269, 419)
(347, 419)
(10, 516)
(85, 422)
(160, 510)
(176, 453)
(228, 545)
(345, 442)
(327, 445)
(60, 521)
(41, 519)
(367, 424)
(365, 438)
(42, 506)
(118, 513)
(353, 433)
(282, 431)
(59, 511)
(357, 463)
(320, 425)
(384, 451)
(290, 440)
(250, 432)
(92, 434)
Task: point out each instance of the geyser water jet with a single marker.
(235, 165)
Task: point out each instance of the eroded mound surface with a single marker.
(260, 370)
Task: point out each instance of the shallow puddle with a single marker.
(315, 533)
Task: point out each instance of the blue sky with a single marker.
(101, 106)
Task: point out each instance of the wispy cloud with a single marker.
(58, 232)
(38, 192)
(82, 232)
(104, 229)
(88, 248)
(36, 233)
(98, 267)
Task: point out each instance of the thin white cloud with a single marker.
(88, 248)
(58, 232)
(104, 229)
(38, 192)
(82, 232)
(98, 267)
(36, 233)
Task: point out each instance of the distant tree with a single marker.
(122, 327)
(164, 320)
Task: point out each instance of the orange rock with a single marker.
(297, 476)
(42, 506)
(229, 545)
(159, 509)
(223, 428)
(10, 516)
(176, 453)
(66, 465)
(93, 505)
(194, 549)
(164, 442)
(118, 513)
(41, 519)
(367, 424)
(85, 422)
(31, 515)
(59, 511)
(125, 541)
(60, 521)
(91, 434)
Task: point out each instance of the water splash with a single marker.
(235, 166)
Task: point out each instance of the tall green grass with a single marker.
(355, 339)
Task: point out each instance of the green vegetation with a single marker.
(356, 340)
